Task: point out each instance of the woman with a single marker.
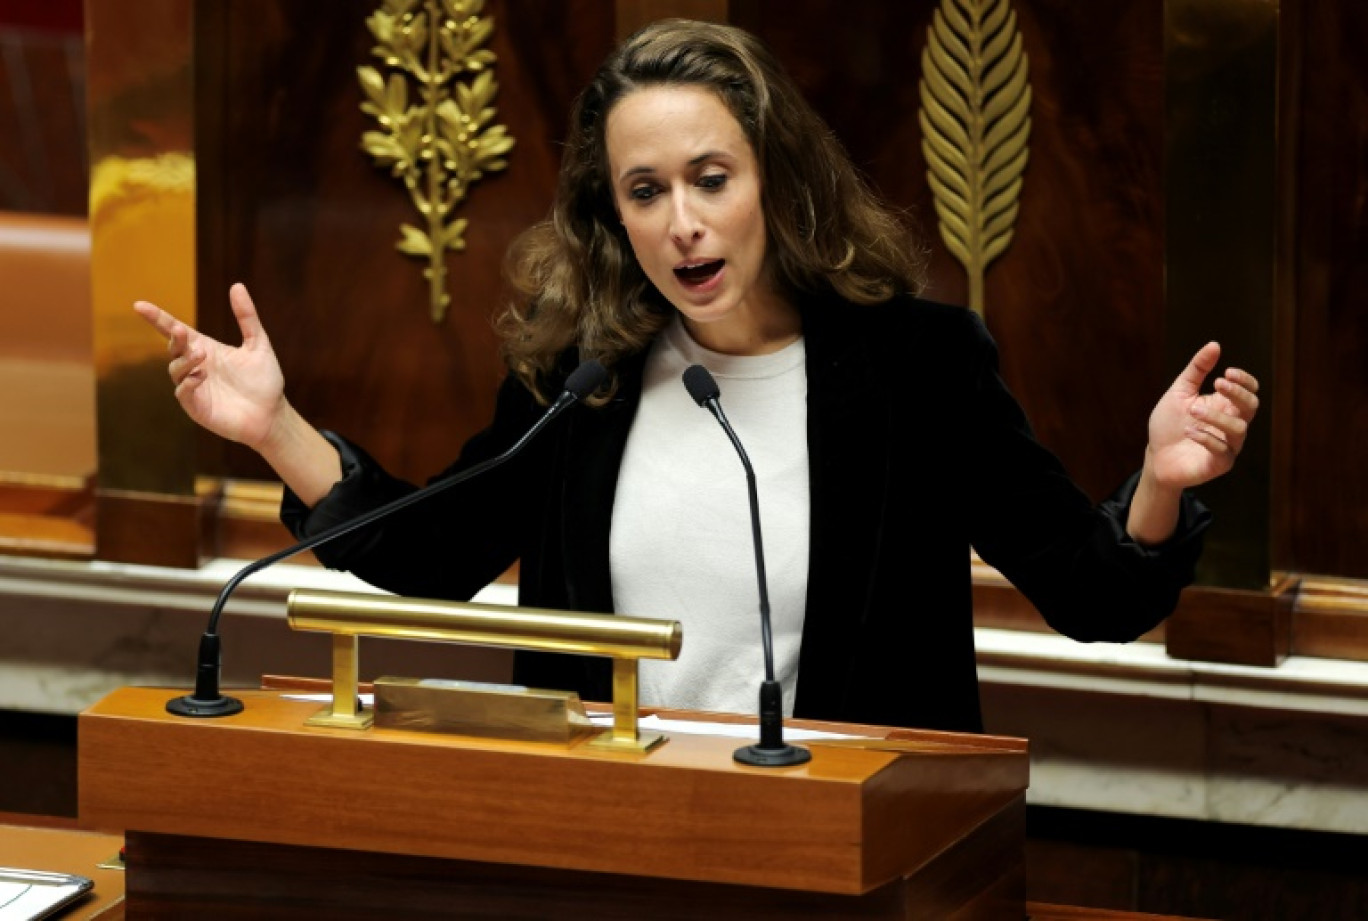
(705, 214)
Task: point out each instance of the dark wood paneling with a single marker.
(173, 876)
(1329, 494)
(290, 205)
(42, 115)
(1076, 301)
(1232, 625)
(62, 16)
(47, 521)
(155, 530)
(1194, 869)
(38, 751)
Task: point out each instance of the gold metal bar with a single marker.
(624, 700)
(626, 639)
(1220, 233)
(343, 712)
(625, 735)
(345, 668)
(617, 636)
(498, 711)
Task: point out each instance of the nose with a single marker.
(685, 226)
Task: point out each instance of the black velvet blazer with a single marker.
(917, 452)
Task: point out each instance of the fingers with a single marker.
(244, 310)
(160, 320)
(1213, 440)
(186, 387)
(1230, 428)
(1243, 378)
(1199, 367)
(177, 333)
(179, 343)
(1240, 388)
(153, 315)
(187, 365)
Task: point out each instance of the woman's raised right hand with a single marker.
(235, 392)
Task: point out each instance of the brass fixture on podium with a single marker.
(349, 616)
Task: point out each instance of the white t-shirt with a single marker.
(681, 545)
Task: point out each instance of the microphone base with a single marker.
(200, 708)
(783, 756)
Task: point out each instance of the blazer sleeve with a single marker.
(448, 546)
(1028, 519)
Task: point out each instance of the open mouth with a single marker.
(697, 273)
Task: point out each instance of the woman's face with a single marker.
(686, 185)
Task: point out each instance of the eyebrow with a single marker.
(701, 158)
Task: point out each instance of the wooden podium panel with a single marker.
(856, 832)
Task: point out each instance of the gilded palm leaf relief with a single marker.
(445, 141)
(975, 121)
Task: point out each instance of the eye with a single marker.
(713, 181)
(643, 193)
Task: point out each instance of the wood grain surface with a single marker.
(849, 822)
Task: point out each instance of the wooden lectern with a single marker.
(257, 815)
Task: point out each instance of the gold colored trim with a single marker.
(56, 482)
(484, 624)
(1332, 595)
(625, 639)
(625, 735)
(975, 120)
(345, 710)
(499, 711)
(442, 145)
(244, 500)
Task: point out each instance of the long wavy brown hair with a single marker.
(575, 277)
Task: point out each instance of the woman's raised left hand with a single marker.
(1195, 437)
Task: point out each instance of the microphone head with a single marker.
(700, 384)
(585, 379)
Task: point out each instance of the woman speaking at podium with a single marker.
(706, 215)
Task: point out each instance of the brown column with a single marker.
(142, 220)
(1221, 230)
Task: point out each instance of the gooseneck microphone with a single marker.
(208, 700)
(771, 751)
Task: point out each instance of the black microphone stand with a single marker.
(772, 750)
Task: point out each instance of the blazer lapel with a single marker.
(849, 457)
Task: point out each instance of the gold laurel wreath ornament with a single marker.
(445, 142)
(975, 122)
